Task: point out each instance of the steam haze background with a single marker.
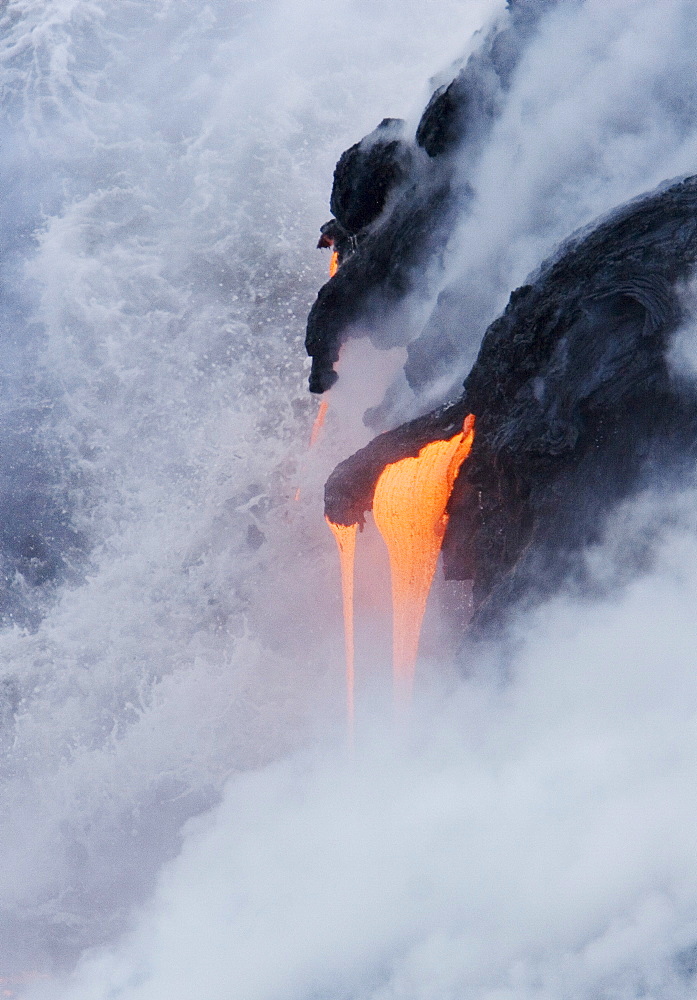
(180, 816)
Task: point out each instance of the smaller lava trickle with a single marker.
(319, 422)
(345, 536)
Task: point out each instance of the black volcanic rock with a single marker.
(442, 123)
(372, 282)
(398, 201)
(576, 406)
(367, 173)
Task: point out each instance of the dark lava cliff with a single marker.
(576, 402)
(396, 202)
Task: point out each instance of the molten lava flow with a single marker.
(319, 422)
(333, 263)
(346, 542)
(409, 509)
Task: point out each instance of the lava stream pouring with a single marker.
(409, 508)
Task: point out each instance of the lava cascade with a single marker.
(409, 507)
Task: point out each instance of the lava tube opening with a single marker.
(345, 536)
(409, 508)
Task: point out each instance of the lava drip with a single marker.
(319, 422)
(314, 435)
(409, 507)
(346, 543)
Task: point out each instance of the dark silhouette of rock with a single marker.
(443, 122)
(367, 173)
(576, 403)
(398, 201)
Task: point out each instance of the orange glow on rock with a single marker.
(319, 422)
(333, 263)
(345, 536)
(409, 510)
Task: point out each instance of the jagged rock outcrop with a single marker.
(367, 174)
(576, 402)
(396, 201)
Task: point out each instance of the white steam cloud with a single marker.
(535, 840)
(532, 834)
(602, 110)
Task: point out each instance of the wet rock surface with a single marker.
(577, 408)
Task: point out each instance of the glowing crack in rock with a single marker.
(409, 507)
(345, 536)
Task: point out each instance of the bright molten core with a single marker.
(409, 509)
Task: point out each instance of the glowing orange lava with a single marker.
(346, 542)
(333, 263)
(319, 422)
(409, 509)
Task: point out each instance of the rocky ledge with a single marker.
(577, 404)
